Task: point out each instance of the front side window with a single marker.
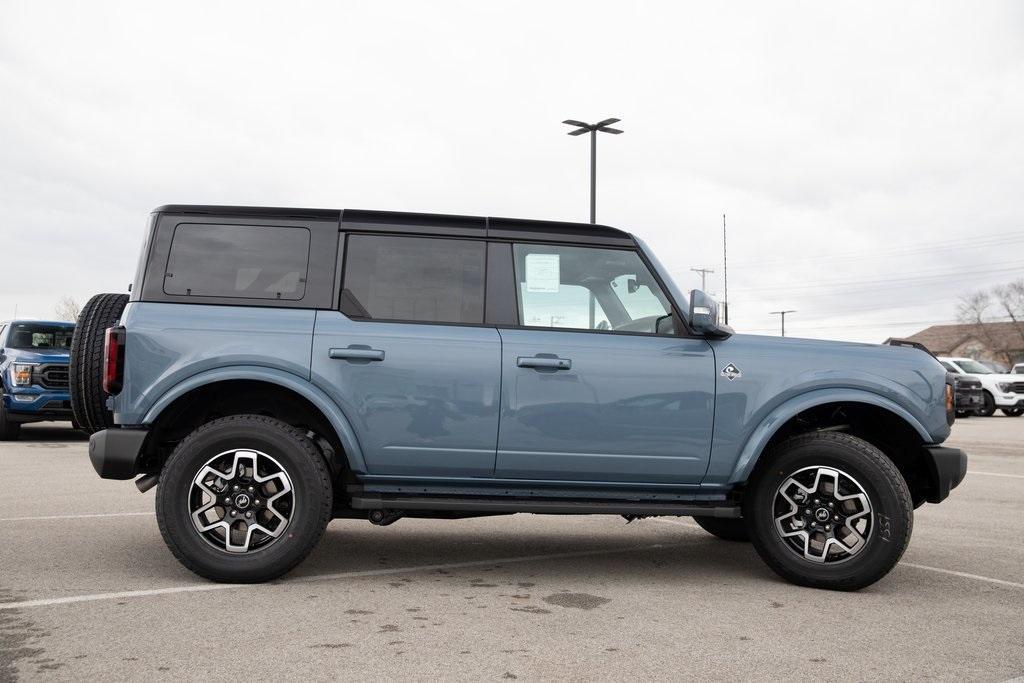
(588, 289)
(238, 261)
(973, 367)
(38, 336)
(414, 279)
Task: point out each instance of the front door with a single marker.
(595, 387)
(410, 362)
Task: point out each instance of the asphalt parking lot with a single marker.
(98, 596)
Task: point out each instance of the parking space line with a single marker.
(202, 587)
(997, 474)
(940, 570)
(100, 514)
(963, 575)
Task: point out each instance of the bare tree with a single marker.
(67, 309)
(973, 310)
(1010, 297)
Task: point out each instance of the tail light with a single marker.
(950, 398)
(113, 360)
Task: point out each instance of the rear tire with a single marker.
(9, 431)
(85, 371)
(235, 547)
(724, 528)
(872, 504)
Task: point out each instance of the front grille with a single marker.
(56, 405)
(1017, 387)
(52, 376)
(969, 384)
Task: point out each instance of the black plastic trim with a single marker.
(541, 506)
(115, 452)
(947, 467)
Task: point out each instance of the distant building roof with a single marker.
(942, 339)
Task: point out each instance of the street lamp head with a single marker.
(601, 127)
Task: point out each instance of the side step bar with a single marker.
(542, 506)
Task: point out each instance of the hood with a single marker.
(29, 356)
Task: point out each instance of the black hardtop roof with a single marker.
(394, 221)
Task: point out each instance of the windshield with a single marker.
(973, 367)
(40, 336)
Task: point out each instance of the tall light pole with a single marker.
(703, 276)
(783, 314)
(593, 129)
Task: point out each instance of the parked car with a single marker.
(33, 373)
(995, 366)
(970, 397)
(1003, 391)
(275, 368)
(1017, 369)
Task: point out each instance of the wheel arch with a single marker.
(269, 392)
(876, 419)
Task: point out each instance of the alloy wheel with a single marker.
(823, 514)
(241, 501)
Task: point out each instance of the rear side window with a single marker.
(240, 261)
(417, 279)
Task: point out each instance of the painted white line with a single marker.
(939, 570)
(101, 514)
(964, 575)
(997, 474)
(201, 587)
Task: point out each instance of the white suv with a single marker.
(1005, 392)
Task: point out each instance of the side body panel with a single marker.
(630, 408)
(427, 407)
(781, 377)
(166, 344)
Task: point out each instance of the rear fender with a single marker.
(331, 411)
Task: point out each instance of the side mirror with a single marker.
(704, 316)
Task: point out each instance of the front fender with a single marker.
(300, 386)
(766, 429)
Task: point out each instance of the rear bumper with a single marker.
(947, 467)
(115, 452)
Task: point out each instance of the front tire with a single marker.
(988, 408)
(9, 430)
(724, 528)
(829, 510)
(1012, 412)
(244, 499)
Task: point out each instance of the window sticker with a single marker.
(542, 273)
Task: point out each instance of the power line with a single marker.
(924, 275)
(783, 314)
(703, 276)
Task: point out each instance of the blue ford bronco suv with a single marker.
(33, 373)
(273, 369)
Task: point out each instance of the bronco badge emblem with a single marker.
(731, 372)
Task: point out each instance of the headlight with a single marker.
(1005, 387)
(21, 374)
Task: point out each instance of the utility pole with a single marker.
(593, 129)
(703, 276)
(783, 314)
(725, 274)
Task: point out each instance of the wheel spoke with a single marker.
(823, 514)
(241, 500)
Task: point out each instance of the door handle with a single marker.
(365, 354)
(544, 362)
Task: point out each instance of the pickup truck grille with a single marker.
(1017, 387)
(968, 384)
(52, 376)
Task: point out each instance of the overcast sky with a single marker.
(869, 156)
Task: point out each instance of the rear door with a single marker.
(408, 357)
(596, 385)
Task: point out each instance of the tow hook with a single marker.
(146, 482)
(384, 517)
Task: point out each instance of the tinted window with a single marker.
(587, 288)
(243, 261)
(37, 336)
(948, 367)
(414, 278)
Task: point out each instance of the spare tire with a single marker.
(85, 373)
